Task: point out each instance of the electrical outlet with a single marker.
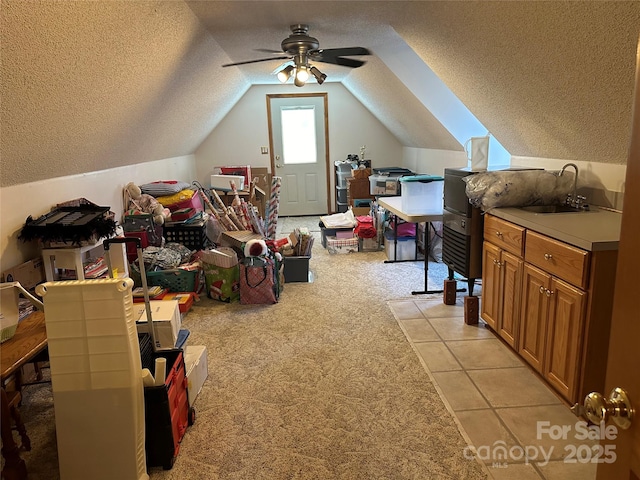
(264, 150)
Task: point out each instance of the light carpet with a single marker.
(322, 385)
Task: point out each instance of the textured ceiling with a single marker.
(87, 86)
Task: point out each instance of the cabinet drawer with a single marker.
(564, 261)
(506, 235)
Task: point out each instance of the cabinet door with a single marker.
(564, 337)
(491, 293)
(511, 271)
(533, 318)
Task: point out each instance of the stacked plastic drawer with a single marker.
(96, 379)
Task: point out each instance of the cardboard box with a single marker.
(195, 360)
(166, 321)
(236, 238)
(361, 211)
(185, 300)
(29, 274)
(361, 173)
(262, 177)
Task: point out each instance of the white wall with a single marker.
(601, 183)
(432, 162)
(238, 137)
(104, 188)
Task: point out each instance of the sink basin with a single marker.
(553, 209)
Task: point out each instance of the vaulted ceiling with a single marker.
(87, 86)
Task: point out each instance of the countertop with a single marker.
(594, 230)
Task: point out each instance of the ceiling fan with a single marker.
(299, 48)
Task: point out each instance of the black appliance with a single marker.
(462, 229)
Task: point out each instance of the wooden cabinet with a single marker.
(502, 277)
(551, 302)
(551, 326)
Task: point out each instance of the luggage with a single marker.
(166, 405)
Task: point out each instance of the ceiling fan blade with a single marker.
(344, 52)
(345, 62)
(282, 57)
(268, 50)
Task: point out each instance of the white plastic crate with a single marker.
(221, 182)
(421, 193)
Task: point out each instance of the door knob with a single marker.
(617, 407)
(278, 165)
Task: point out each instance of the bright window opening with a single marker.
(298, 134)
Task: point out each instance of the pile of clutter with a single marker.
(348, 233)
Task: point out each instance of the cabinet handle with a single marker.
(548, 256)
(542, 289)
(549, 292)
(499, 234)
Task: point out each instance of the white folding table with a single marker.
(430, 212)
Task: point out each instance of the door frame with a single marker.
(325, 97)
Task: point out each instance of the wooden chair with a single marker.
(14, 467)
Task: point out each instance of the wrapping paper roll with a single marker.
(161, 371)
(274, 204)
(147, 378)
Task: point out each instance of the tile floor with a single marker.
(500, 405)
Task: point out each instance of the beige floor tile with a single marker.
(459, 391)
(569, 471)
(434, 308)
(455, 329)
(512, 387)
(514, 471)
(419, 330)
(478, 354)
(405, 309)
(528, 423)
(485, 431)
(437, 357)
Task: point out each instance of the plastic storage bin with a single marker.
(192, 236)
(341, 178)
(167, 412)
(296, 269)
(420, 193)
(383, 185)
(406, 249)
(341, 194)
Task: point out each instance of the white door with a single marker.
(299, 149)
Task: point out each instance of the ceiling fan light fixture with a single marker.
(285, 73)
(302, 74)
(319, 76)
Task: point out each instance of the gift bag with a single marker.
(258, 282)
(222, 283)
(221, 274)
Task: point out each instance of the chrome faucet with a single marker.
(573, 199)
